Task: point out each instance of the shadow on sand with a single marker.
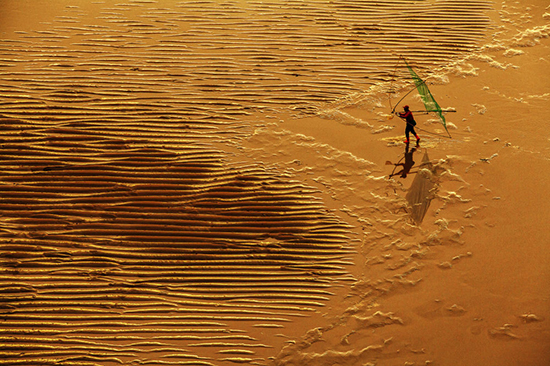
(422, 190)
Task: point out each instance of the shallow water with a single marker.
(204, 183)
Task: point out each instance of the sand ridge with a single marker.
(202, 183)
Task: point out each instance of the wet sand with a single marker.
(205, 183)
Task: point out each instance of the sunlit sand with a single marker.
(212, 183)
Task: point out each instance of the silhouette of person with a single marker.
(408, 117)
(407, 164)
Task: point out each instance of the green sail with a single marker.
(427, 97)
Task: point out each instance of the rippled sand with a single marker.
(206, 183)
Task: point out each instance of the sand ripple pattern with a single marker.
(127, 234)
(107, 240)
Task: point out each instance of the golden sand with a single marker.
(206, 183)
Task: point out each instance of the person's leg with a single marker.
(407, 131)
(414, 133)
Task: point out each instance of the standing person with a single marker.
(408, 117)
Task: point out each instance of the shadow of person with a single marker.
(407, 164)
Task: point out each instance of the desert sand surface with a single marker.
(208, 183)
